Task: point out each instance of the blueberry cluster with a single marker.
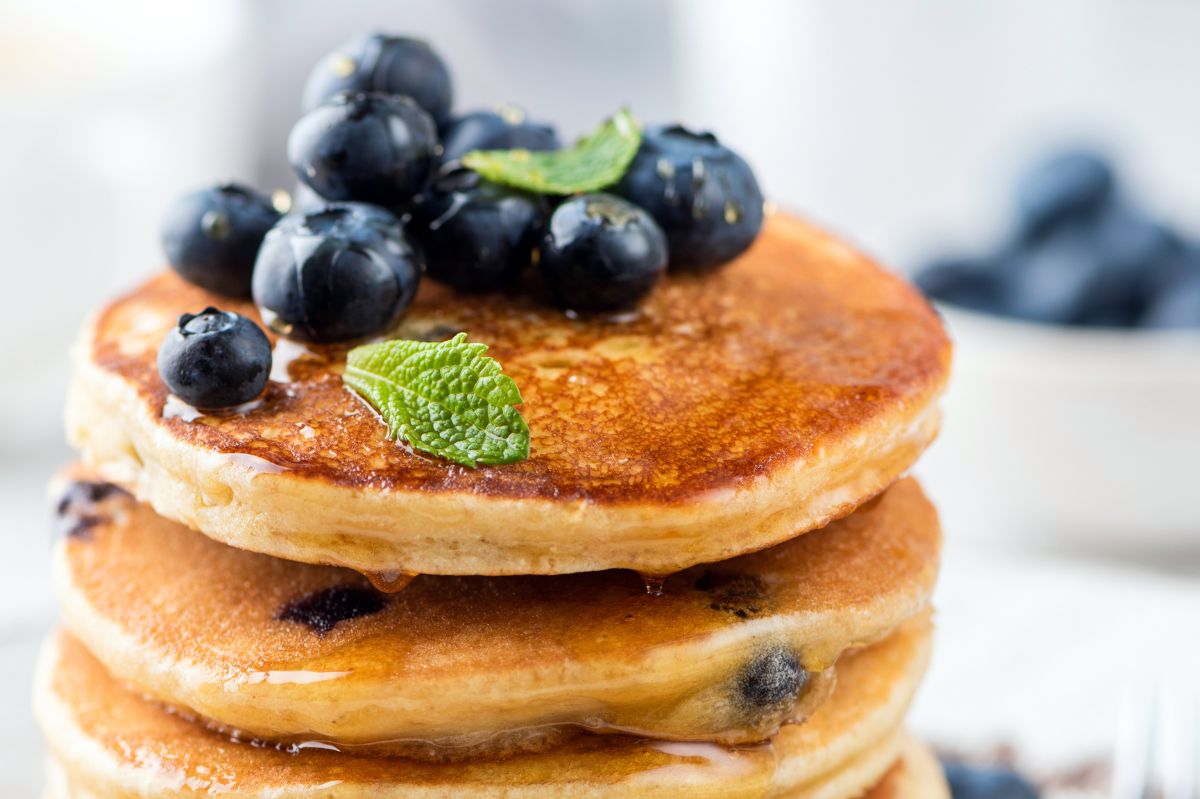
(1082, 253)
(983, 782)
(383, 199)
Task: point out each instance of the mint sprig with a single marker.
(594, 162)
(445, 398)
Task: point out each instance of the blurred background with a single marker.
(1067, 471)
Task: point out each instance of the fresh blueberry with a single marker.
(372, 148)
(701, 193)
(975, 782)
(386, 64)
(976, 283)
(1177, 305)
(1068, 184)
(601, 253)
(1050, 281)
(505, 129)
(215, 359)
(211, 236)
(1130, 248)
(476, 235)
(339, 273)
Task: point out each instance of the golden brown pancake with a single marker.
(736, 410)
(917, 775)
(453, 665)
(112, 743)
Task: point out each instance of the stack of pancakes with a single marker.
(709, 579)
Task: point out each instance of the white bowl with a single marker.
(1084, 437)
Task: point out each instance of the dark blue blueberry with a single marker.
(323, 610)
(339, 273)
(372, 148)
(976, 283)
(701, 193)
(772, 679)
(1050, 281)
(476, 235)
(601, 253)
(386, 64)
(1068, 184)
(977, 782)
(215, 359)
(1130, 248)
(1177, 306)
(211, 236)
(506, 129)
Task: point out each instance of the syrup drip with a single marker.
(390, 582)
(654, 583)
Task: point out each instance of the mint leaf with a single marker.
(595, 161)
(445, 398)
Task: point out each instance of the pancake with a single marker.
(917, 775)
(734, 411)
(112, 743)
(452, 665)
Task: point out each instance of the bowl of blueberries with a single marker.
(1075, 406)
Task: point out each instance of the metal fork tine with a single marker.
(1134, 743)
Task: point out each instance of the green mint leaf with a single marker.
(594, 162)
(446, 398)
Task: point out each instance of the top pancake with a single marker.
(734, 411)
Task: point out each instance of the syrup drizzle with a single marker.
(390, 582)
(654, 583)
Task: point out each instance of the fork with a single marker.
(1157, 753)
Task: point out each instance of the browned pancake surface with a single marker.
(719, 379)
(202, 625)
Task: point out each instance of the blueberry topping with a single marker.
(386, 64)
(702, 194)
(372, 148)
(506, 129)
(476, 235)
(340, 273)
(601, 253)
(979, 782)
(211, 236)
(771, 680)
(323, 610)
(1068, 184)
(215, 359)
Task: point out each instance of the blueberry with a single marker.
(215, 359)
(476, 235)
(1068, 184)
(1130, 249)
(701, 193)
(323, 610)
(211, 236)
(975, 782)
(601, 253)
(365, 147)
(386, 64)
(1050, 282)
(772, 679)
(506, 129)
(976, 283)
(1177, 306)
(339, 273)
